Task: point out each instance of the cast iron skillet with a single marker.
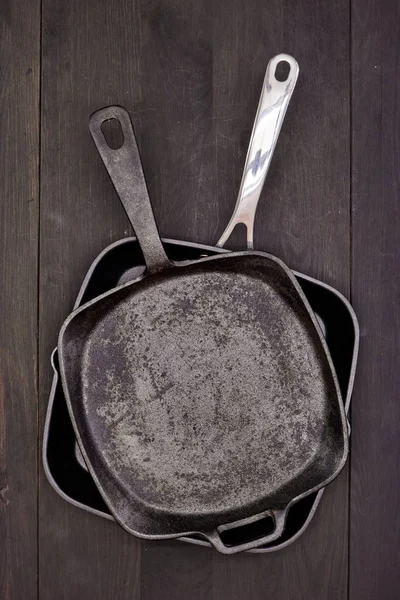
(159, 470)
(62, 460)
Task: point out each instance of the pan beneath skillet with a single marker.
(163, 384)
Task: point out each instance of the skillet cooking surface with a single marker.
(180, 370)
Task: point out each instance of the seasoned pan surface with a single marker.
(168, 395)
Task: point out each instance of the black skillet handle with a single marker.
(214, 537)
(125, 170)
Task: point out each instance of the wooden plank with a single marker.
(176, 126)
(173, 570)
(375, 457)
(303, 217)
(89, 60)
(19, 210)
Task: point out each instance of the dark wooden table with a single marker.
(190, 72)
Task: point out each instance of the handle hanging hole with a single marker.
(112, 132)
(282, 70)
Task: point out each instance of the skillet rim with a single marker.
(339, 408)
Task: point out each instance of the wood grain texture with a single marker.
(89, 60)
(19, 133)
(174, 570)
(375, 447)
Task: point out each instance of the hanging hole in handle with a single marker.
(112, 132)
(282, 70)
(248, 533)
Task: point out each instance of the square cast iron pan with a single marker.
(61, 458)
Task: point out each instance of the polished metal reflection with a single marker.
(275, 97)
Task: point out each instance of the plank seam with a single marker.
(38, 305)
(350, 266)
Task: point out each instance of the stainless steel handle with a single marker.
(271, 111)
